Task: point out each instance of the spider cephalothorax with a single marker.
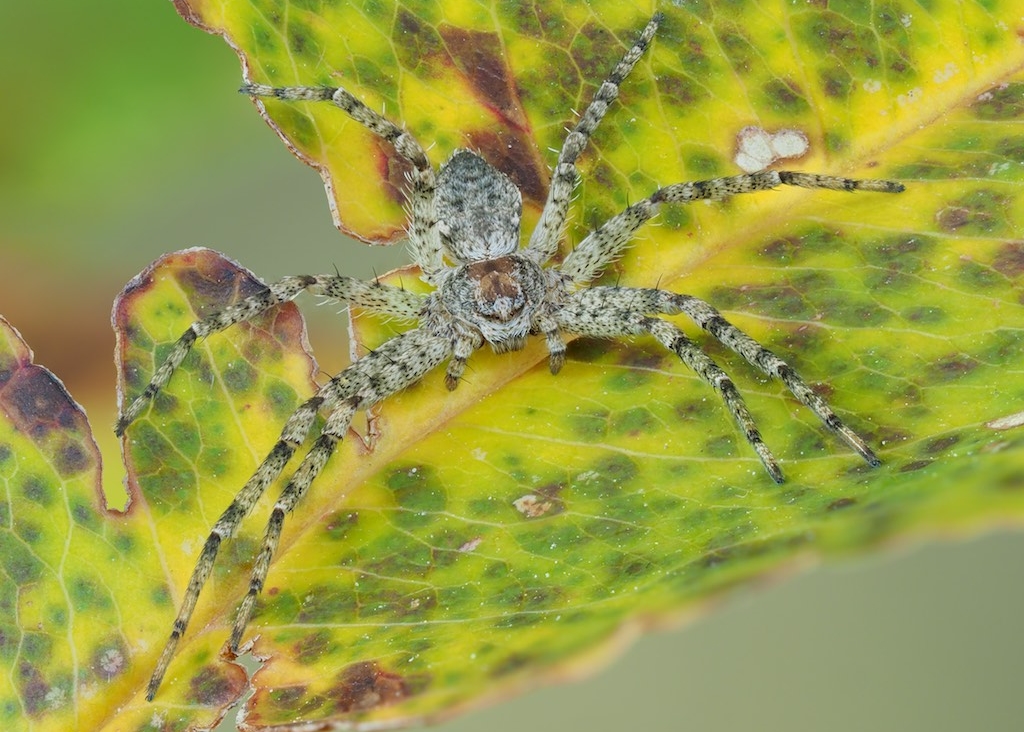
(463, 231)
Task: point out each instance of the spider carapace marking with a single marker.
(463, 232)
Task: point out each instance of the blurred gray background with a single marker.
(122, 137)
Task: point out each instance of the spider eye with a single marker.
(497, 293)
(499, 296)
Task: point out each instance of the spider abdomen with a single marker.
(478, 209)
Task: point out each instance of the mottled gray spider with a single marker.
(463, 233)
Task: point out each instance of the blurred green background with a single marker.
(122, 137)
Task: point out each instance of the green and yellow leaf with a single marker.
(471, 544)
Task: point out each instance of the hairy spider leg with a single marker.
(602, 246)
(605, 244)
(373, 295)
(424, 241)
(465, 343)
(545, 237)
(334, 431)
(712, 321)
(598, 311)
(294, 433)
(546, 322)
(387, 370)
(382, 372)
(611, 312)
(547, 234)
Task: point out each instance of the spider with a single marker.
(463, 233)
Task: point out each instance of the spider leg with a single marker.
(708, 318)
(547, 324)
(334, 431)
(604, 245)
(607, 312)
(465, 342)
(424, 239)
(293, 434)
(382, 372)
(544, 239)
(371, 295)
(627, 300)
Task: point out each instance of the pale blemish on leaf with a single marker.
(1008, 422)
(756, 148)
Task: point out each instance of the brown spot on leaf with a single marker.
(802, 339)
(418, 45)
(898, 66)
(72, 459)
(890, 436)
(836, 82)
(591, 49)
(289, 696)
(214, 281)
(33, 689)
(785, 95)
(1009, 259)
(312, 647)
(339, 524)
(36, 401)
(642, 358)
(841, 503)
(825, 390)
(294, 700)
(216, 685)
(479, 57)
(982, 211)
(40, 407)
(953, 367)
(630, 565)
(915, 465)
(783, 250)
(509, 147)
(513, 153)
(952, 218)
(510, 664)
(392, 169)
(366, 686)
(1002, 102)
(680, 90)
(924, 314)
(588, 350)
(941, 444)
